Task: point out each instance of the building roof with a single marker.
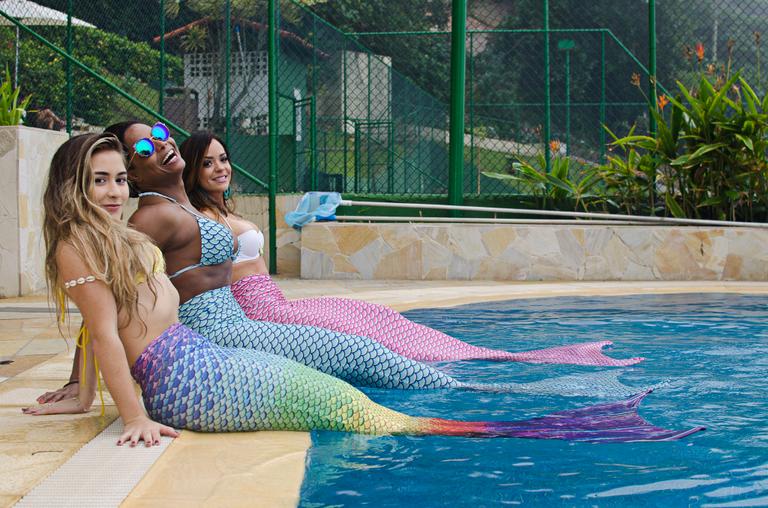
(285, 35)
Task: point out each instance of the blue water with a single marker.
(713, 348)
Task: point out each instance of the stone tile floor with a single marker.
(252, 469)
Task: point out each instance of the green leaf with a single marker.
(673, 207)
(560, 184)
(705, 149)
(749, 95)
(746, 141)
(499, 176)
(712, 201)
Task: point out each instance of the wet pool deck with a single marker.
(247, 469)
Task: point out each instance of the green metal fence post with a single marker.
(602, 97)
(472, 163)
(567, 45)
(313, 111)
(357, 157)
(368, 126)
(344, 94)
(568, 103)
(297, 105)
(227, 61)
(652, 61)
(69, 67)
(547, 91)
(390, 158)
(458, 75)
(272, 91)
(313, 144)
(161, 102)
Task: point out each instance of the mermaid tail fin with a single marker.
(591, 384)
(611, 422)
(586, 353)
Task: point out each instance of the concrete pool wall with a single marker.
(532, 252)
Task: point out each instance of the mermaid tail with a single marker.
(189, 382)
(591, 384)
(360, 361)
(611, 422)
(262, 300)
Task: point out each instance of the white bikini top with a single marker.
(251, 245)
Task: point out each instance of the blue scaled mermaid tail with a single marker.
(191, 383)
(357, 360)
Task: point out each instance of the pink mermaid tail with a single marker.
(262, 300)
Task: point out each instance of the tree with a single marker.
(208, 32)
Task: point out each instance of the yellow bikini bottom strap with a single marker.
(82, 341)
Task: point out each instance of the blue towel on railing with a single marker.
(314, 206)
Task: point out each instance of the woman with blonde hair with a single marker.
(115, 277)
(113, 274)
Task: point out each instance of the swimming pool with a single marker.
(712, 347)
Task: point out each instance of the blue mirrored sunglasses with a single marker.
(146, 146)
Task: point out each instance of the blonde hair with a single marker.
(113, 253)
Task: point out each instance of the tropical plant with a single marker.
(562, 186)
(629, 178)
(12, 112)
(707, 158)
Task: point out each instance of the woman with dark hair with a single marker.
(207, 178)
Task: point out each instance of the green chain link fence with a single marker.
(363, 95)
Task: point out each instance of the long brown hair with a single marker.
(193, 150)
(113, 253)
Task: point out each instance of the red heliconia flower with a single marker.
(699, 51)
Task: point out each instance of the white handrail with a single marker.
(555, 213)
(482, 220)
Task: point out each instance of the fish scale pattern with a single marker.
(191, 383)
(358, 360)
(262, 300)
(217, 245)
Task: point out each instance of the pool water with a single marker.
(712, 347)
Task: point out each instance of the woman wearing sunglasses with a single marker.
(115, 277)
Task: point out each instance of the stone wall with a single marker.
(532, 252)
(25, 156)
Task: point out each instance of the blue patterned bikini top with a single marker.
(217, 244)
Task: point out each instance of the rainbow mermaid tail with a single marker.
(360, 361)
(189, 382)
(262, 300)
